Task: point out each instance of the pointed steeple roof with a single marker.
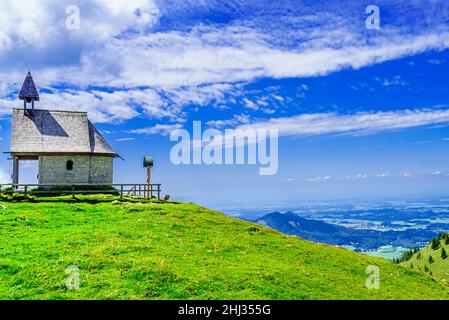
(28, 91)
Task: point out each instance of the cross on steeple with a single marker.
(28, 93)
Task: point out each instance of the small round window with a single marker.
(69, 165)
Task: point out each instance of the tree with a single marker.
(443, 254)
(411, 265)
(431, 259)
(426, 269)
(418, 256)
(447, 240)
(435, 243)
(407, 255)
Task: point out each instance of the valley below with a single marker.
(378, 228)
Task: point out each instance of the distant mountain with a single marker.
(361, 239)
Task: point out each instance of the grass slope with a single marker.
(127, 250)
(438, 269)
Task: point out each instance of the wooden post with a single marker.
(149, 182)
(121, 191)
(15, 171)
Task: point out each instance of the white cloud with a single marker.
(170, 103)
(163, 129)
(201, 95)
(362, 177)
(395, 81)
(189, 59)
(125, 44)
(124, 139)
(39, 24)
(236, 120)
(116, 106)
(249, 104)
(354, 124)
(436, 61)
(317, 179)
(361, 86)
(332, 123)
(383, 175)
(201, 55)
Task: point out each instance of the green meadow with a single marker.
(136, 249)
(432, 260)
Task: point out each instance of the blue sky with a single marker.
(360, 113)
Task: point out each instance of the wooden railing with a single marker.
(142, 190)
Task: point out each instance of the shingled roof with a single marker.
(56, 132)
(29, 91)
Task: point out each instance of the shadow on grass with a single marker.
(90, 199)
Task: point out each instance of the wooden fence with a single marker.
(142, 190)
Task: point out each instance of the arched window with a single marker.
(69, 165)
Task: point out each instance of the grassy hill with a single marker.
(438, 265)
(158, 250)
